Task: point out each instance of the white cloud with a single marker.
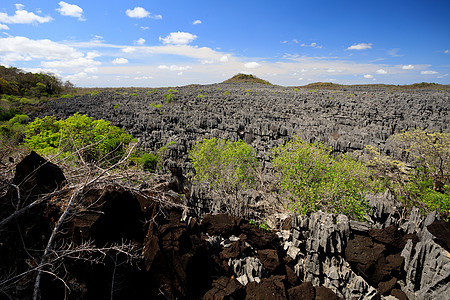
(70, 10)
(23, 17)
(140, 13)
(196, 22)
(143, 77)
(120, 61)
(428, 72)
(224, 58)
(206, 62)
(313, 45)
(180, 73)
(368, 76)
(447, 51)
(29, 49)
(252, 65)
(174, 68)
(4, 27)
(128, 50)
(381, 71)
(331, 70)
(407, 67)
(92, 54)
(145, 27)
(360, 46)
(72, 63)
(140, 41)
(178, 38)
(91, 70)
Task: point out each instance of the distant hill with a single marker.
(247, 78)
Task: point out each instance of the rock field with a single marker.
(263, 115)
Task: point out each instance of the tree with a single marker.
(314, 178)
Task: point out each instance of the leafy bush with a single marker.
(149, 162)
(169, 97)
(229, 166)
(314, 178)
(95, 140)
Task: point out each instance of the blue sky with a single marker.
(168, 43)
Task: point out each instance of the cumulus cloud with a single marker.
(407, 67)
(428, 72)
(360, 46)
(368, 76)
(447, 51)
(143, 77)
(224, 58)
(70, 10)
(140, 13)
(22, 16)
(196, 22)
(381, 71)
(174, 68)
(4, 27)
(120, 61)
(178, 38)
(140, 41)
(252, 65)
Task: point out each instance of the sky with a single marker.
(156, 43)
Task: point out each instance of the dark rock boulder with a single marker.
(37, 176)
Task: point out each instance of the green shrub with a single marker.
(149, 162)
(96, 140)
(229, 166)
(169, 97)
(155, 105)
(313, 178)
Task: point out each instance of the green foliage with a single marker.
(226, 165)
(14, 128)
(149, 162)
(116, 106)
(201, 96)
(155, 105)
(226, 93)
(6, 114)
(173, 91)
(95, 140)
(169, 97)
(94, 93)
(314, 178)
(16, 82)
(67, 96)
(134, 94)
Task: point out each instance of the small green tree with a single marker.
(314, 178)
